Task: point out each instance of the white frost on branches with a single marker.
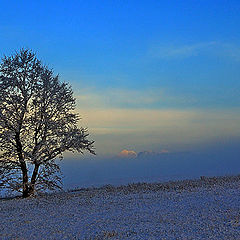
(37, 119)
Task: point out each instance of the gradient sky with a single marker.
(147, 75)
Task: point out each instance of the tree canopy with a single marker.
(38, 122)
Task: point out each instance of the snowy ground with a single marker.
(198, 209)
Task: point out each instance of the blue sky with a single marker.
(148, 75)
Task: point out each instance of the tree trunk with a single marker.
(23, 166)
(33, 179)
(25, 180)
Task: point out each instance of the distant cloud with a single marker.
(213, 48)
(152, 153)
(121, 98)
(164, 151)
(127, 153)
(131, 153)
(112, 128)
(170, 52)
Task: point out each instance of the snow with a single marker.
(191, 209)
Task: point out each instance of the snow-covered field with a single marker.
(197, 209)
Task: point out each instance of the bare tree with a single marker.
(37, 124)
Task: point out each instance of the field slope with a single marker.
(191, 209)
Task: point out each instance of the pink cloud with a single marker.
(164, 151)
(127, 153)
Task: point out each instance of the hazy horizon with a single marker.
(86, 171)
